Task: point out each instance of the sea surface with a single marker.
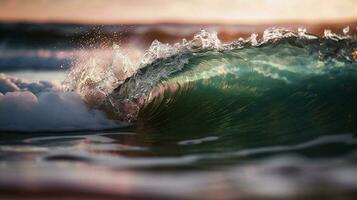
(99, 113)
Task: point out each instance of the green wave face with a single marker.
(282, 92)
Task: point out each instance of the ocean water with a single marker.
(264, 117)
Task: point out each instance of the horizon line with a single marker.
(351, 20)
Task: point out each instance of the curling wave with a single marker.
(284, 80)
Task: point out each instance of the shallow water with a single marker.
(257, 118)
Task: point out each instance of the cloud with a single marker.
(41, 106)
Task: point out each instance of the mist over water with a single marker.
(258, 117)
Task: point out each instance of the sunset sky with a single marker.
(194, 11)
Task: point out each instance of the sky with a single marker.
(192, 11)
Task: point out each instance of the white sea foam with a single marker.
(24, 111)
(40, 106)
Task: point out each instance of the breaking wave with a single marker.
(283, 76)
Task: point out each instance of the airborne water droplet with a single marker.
(301, 31)
(346, 30)
(327, 33)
